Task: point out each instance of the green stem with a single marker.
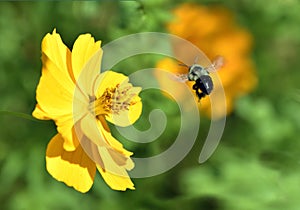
(20, 114)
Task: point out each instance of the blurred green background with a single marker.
(256, 165)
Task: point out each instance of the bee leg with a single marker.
(200, 95)
(196, 87)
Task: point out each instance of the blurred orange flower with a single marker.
(214, 31)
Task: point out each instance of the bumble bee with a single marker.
(203, 83)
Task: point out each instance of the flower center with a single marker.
(114, 100)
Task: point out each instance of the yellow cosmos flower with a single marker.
(74, 94)
(214, 31)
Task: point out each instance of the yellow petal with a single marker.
(97, 131)
(108, 79)
(55, 102)
(105, 131)
(91, 138)
(116, 161)
(65, 126)
(88, 126)
(54, 49)
(55, 91)
(89, 73)
(75, 168)
(84, 48)
(53, 97)
(116, 182)
(113, 161)
(127, 117)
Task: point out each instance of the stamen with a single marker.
(114, 100)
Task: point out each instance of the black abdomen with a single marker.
(205, 84)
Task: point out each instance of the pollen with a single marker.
(114, 100)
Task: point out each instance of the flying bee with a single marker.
(203, 83)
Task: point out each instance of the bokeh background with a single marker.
(256, 165)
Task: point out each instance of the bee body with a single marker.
(203, 83)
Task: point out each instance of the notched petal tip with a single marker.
(83, 50)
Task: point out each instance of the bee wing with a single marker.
(180, 77)
(183, 64)
(217, 63)
(211, 68)
(196, 59)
